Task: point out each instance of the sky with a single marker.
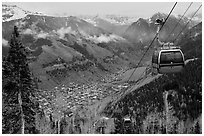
(138, 9)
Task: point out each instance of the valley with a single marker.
(88, 78)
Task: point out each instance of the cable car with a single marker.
(127, 125)
(127, 120)
(167, 60)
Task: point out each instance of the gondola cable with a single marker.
(178, 21)
(187, 23)
(152, 42)
(169, 59)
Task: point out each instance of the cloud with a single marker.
(42, 35)
(106, 38)
(62, 31)
(103, 38)
(4, 42)
(28, 31)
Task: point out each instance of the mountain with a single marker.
(191, 42)
(69, 44)
(113, 19)
(82, 66)
(197, 17)
(97, 42)
(170, 103)
(112, 23)
(12, 12)
(145, 29)
(139, 31)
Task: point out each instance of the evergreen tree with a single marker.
(118, 121)
(18, 113)
(197, 128)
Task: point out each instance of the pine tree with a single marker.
(18, 113)
(197, 128)
(119, 128)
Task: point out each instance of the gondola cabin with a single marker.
(127, 122)
(168, 60)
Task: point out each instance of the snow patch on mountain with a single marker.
(91, 21)
(150, 21)
(12, 12)
(113, 19)
(197, 19)
(118, 19)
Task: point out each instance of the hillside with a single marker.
(170, 104)
(143, 30)
(82, 67)
(191, 42)
(71, 45)
(110, 23)
(160, 104)
(147, 103)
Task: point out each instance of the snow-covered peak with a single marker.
(12, 12)
(196, 17)
(91, 21)
(120, 20)
(113, 19)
